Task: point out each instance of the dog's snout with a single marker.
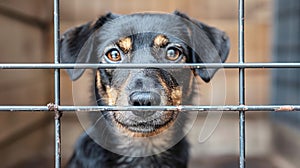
(144, 99)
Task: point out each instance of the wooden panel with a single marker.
(31, 148)
(21, 137)
(77, 10)
(20, 43)
(213, 9)
(34, 8)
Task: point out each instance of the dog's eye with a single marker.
(113, 55)
(173, 53)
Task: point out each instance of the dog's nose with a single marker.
(144, 99)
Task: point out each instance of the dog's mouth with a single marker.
(147, 128)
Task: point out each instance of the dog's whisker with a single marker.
(98, 120)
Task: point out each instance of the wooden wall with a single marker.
(23, 135)
(21, 42)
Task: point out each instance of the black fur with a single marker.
(198, 43)
(89, 154)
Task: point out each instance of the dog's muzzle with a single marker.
(144, 98)
(149, 87)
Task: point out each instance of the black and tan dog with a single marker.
(140, 138)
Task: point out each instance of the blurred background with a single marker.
(272, 35)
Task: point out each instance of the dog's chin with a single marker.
(142, 128)
(145, 128)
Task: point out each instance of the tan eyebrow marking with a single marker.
(125, 44)
(161, 40)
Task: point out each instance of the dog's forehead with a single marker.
(130, 25)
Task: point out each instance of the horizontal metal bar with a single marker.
(275, 108)
(136, 66)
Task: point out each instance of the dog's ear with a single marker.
(76, 45)
(208, 45)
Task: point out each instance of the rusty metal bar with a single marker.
(57, 118)
(241, 58)
(234, 108)
(135, 66)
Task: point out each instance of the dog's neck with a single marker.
(111, 138)
(96, 156)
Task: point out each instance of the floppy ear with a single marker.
(208, 45)
(76, 45)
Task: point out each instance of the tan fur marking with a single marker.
(176, 96)
(109, 95)
(125, 44)
(98, 79)
(161, 40)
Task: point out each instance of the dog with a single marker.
(140, 138)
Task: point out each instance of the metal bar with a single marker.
(136, 66)
(58, 114)
(241, 50)
(235, 108)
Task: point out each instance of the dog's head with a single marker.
(145, 39)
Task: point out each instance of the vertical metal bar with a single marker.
(241, 84)
(57, 85)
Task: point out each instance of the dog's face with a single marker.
(133, 40)
(144, 39)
